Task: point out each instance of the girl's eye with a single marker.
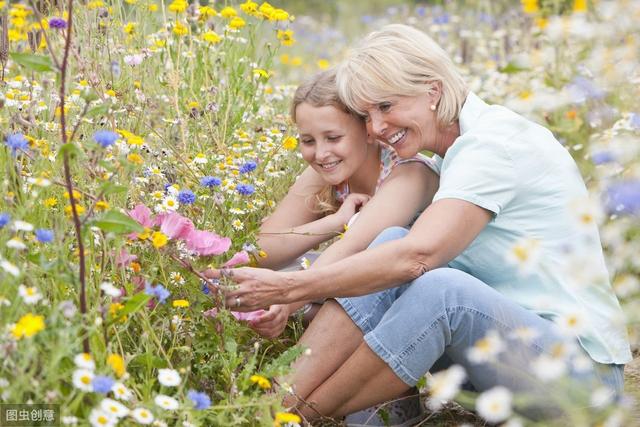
(384, 106)
(306, 141)
(334, 138)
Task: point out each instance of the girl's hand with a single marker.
(272, 323)
(351, 205)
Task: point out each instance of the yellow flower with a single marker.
(579, 6)
(266, 10)
(50, 202)
(95, 4)
(211, 37)
(129, 28)
(135, 158)
(145, 234)
(286, 418)
(178, 6)
(228, 12)
(529, 6)
(237, 22)
(260, 73)
(262, 382)
(69, 212)
(286, 37)
(28, 326)
(323, 64)
(296, 61)
(180, 303)
(279, 15)
(135, 267)
(249, 7)
(290, 143)
(116, 362)
(159, 239)
(284, 58)
(180, 29)
(207, 12)
(152, 7)
(101, 205)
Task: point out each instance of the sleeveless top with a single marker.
(388, 160)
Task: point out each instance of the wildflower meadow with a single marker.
(143, 141)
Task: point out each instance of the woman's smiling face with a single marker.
(332, 141)
(405, 123)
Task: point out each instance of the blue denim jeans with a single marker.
(432, 322)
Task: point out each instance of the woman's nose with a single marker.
(377, 124)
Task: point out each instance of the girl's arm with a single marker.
(294, 228)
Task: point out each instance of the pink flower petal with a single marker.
(175, 226)
(241, 257)
(142, 214)
(124, 258)
(207, 243)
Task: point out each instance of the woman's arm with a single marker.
(294, 227)
(443, 230)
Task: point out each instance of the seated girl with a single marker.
(348, 172)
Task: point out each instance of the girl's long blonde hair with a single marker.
(320, 91)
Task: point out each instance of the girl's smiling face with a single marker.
(332, 141)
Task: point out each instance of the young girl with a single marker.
(348, 172)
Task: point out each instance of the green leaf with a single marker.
(117, 222)
(99, 110)
(147, 360)
(71, 149)
(512, 68)
(33, 62)
(111, 188)
(134, 304)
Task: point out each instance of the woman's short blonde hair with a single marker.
(400, 60)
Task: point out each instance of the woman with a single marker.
(420, 300)
(346, 169)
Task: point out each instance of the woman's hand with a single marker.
(271, 323)
(256, 287)
(351, 205)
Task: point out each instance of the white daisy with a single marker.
(29, 294)
(69, 420)
(524, 334)
(571, 324)
(601, 397)
(486, 349)
(200, 159)
(10, 268)
(22, 226)
(494, 405)
(99, 418)
(82, 379)
(166, 402)
(16, 244)
(110, 290)
(40, 182)
(114, 408)
(170, 203)
(142, 415)
(120, 391)
(525, 255)
(84, 361)
(444, 385)
(586, 213)
(169, 377)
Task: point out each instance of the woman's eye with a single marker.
(384, 106)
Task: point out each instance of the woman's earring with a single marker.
(433, 107)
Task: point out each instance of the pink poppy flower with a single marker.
(241, 257)
(207, 243)
(142, 214)
(175, 226)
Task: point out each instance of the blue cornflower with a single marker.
(245, 189)
(158, 291)
(43, 235)
(210, 181)
(186, 197)
(105, 137)
(205, 288)
(582, 89)
(57, 23)
(634, 120)
(4, 219)
(167, 185)
(602, 157)
(624, 197)
(102, 384)
(248, 167)
(200, 400)
(16, 142)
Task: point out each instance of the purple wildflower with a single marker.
(17, 142)
(4, 219)
(245, 189)
(248, 167)
(105, 138)
(44, 235)
(210, 181)
(624, 197)
(200, 400)
(186, 197)
(57, 23)
(158, 291)
(102, 384)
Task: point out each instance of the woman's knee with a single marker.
(388, 234)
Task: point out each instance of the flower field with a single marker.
(143, 141)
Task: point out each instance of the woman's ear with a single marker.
(370, 139)
(435, 93)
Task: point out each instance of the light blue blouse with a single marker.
(517, 170)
